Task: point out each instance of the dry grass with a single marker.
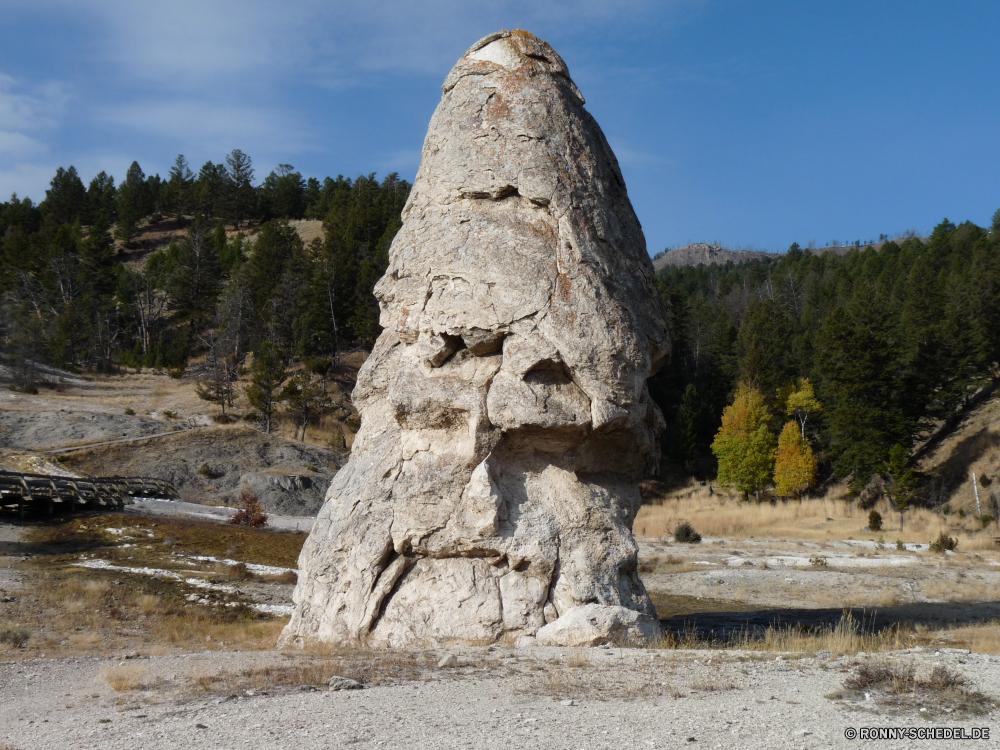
(719, 516)
(643, 680)
(125, 677)
(899, 685)
(367, 666)
(72, 610)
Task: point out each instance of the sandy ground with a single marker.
(625, 698)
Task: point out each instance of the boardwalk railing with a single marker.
(22, 492)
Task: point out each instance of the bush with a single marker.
(944, 543)
(249, 511)
(874, 521)
(176, 372)
(156, 218)
(129, 411)
(686, 534)
(209, 473)
(14, 636)
(169, 414)
(985, 520)
(223, 418)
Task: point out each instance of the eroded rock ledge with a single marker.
(505, 416)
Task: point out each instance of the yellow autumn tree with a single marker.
(794, 462)
(744, 444)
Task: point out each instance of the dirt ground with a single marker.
(153, 678)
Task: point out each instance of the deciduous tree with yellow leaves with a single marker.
(744, 444)
(794, 462)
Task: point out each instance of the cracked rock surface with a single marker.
(505, 416)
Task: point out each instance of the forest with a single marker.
(885, 347)
(78, 293)
(868, 352)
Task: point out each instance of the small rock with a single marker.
(344, 683)
(132, 655)
(448, 661)
(567, 702)
(200, 726)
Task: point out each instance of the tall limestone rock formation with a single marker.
(505, 417)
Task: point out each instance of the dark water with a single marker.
(716, 619)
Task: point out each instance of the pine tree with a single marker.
(684, 445)
(304, 400)
(180, 183)
(900, 481)
(66, 198)
(240, 195)
(133, 202)
(794, 462)
(267, 373)
(744, 444)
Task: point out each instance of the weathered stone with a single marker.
(505, 416)
(594, 625)
(344, 683)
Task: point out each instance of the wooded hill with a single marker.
(71, 300)
(894, 341)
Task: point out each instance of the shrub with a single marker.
(685, 533)
(944, 543)
(176, 372)
(249, 511)
(129, 411)
(985, 520)
(900, 545)
(208, 472)
(874, 521)
(156, 218)
(14, 636)
(223, 418)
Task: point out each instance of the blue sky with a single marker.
(746, 123)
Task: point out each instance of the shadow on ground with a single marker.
(713, 622)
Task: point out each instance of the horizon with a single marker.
(813, 126)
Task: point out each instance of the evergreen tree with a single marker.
(133, 203)
(267, 373)
(102, 200)
(900, 481)
(304, 400)
(179, 187)
(66, 199)
(684, 445)
(239, 193)
(860, 377)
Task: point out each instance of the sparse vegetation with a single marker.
(944, 543)
(874, 520)
(249, 511)
(941, 690)
(686, 534)
(13, 635)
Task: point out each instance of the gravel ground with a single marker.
(718, 700)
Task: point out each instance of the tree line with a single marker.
(79, 294)
(889, 344)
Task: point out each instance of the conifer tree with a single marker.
(133, 202)
(267, 373)
(744, 444)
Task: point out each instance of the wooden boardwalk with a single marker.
(41, 493)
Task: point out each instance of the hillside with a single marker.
(702, 252)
